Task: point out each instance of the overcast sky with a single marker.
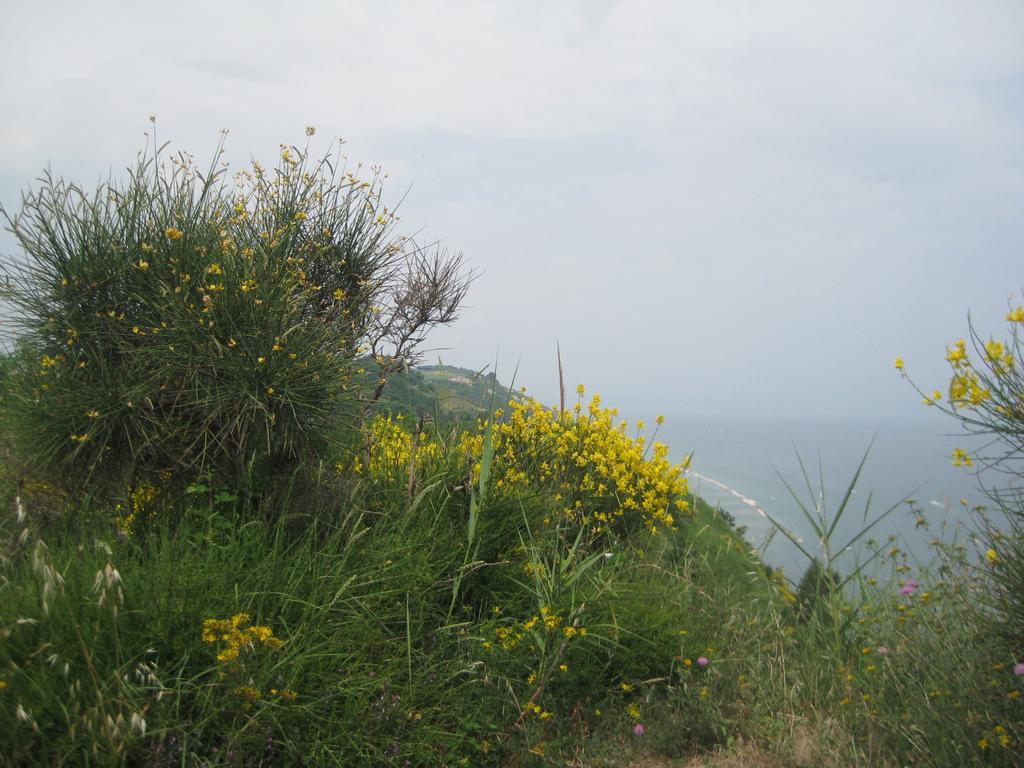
(718, 208)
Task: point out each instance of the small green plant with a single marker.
(822, 592)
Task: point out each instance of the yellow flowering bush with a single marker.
(985, 391)
(986, 397)
(236, 641)
(190, 321)
(390, 443)
(598, 475)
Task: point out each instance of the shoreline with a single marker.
(748, 502)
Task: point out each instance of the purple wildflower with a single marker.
(702, 661)
(909, 587)
(639, 730)
(883, 650)
(1019, 669)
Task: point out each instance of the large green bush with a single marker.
(193, 322)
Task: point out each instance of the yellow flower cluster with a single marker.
(965, 387)
(391, 445)
(597, 473)
(141, 503)
(961, 458)
(235, 636)
(509, 635)
(998, 736)
(536, 710)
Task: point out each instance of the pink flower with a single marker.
(883, 651)
(909, 586)
(702, 661)
(1019, 669)
(639, 730)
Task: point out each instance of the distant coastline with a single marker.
(749, 503)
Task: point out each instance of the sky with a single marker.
(723, 209)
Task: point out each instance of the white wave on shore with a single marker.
(745, 500)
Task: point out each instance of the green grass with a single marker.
(405, 622)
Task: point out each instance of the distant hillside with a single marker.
(446, 392)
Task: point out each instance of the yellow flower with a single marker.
(992, 556)
(172, 233)
(1016, 316)
(899, 364)
(961, 458)
(994, 350)
(957, 356)
(248, 692)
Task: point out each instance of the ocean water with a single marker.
(740, 465)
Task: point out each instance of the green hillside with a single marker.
(447, 393)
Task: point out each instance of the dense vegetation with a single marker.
(240, 527)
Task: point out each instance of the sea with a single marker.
(743, 466)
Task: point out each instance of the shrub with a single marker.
(598, 478)
(986, 397)
(194, 323)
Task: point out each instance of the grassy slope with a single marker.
(384, 610)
